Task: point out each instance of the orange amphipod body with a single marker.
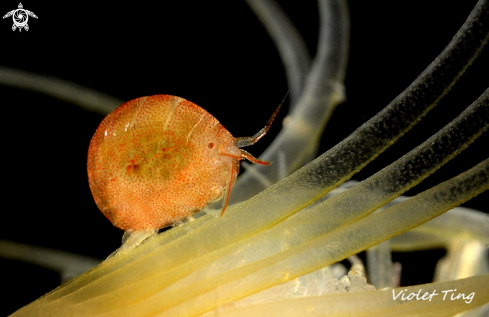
(156, 160)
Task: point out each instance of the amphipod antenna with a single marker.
(250, 140)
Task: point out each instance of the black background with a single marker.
(216, 54)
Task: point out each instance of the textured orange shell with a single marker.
(158, 159)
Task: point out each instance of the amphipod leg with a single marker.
(232, 179)
(132, 239)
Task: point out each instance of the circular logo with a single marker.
(20, 18)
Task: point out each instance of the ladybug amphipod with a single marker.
(156, 160)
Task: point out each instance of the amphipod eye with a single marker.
(211, 145)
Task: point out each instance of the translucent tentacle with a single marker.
(290, 45)
(323, 91)
(79, 95)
